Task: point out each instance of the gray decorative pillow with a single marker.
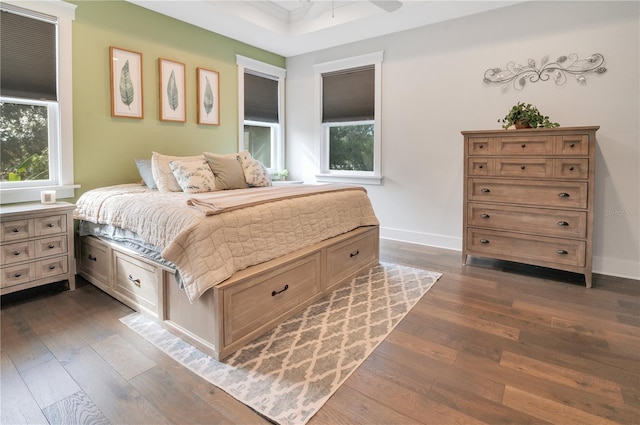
(255, 174)
(227, 170)
(162, 173)
(193, 175)
(144, 168)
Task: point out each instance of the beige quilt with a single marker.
(208, 249)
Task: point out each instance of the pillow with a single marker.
(162, 174)
(193, 175)
(144, 168)
(227, 170)
(255, 174)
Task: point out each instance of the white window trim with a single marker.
(269, 71)
(65, 13)
(358, 177)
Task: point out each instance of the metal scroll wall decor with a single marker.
(560, 70)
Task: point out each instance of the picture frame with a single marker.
(173, 94)
(127, 98)
(208, 96)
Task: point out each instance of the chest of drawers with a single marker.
(528, 197)
(36, 245)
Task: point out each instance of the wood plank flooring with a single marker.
(491, 343)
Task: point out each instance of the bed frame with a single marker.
(241, 308)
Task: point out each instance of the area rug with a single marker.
(287, 374)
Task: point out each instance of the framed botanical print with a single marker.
(208, 96)
(126, 83)
(173, 105)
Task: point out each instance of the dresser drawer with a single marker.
(137, 281)
(15, 275)
(345, 258)
(264, 298)
(564, 194)
(525, 145)
(540, 250)
(54, 245)
(480, 166)
(94, 259)
(571, 168)
(17, 252)
(561, 223)
(524, 167)
(572, 145)
(50, 225)
(51, 267)
(15, 230)
(480, 146)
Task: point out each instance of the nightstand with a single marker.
(36, 244)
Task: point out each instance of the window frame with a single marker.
(278, 141)
(359, 177)
(61, 147)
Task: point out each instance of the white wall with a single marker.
(433, 89)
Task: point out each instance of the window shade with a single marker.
(260, 98)
(348, 95)
(27, 57)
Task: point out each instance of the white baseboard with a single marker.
(601, 265)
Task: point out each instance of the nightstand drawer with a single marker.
(137, 281)
(51, 267)
(516, 247)
(50, 225)
(16, 230)
(17, 252)
(54, 245)
(529, 192)
(561, 223)
(15, 275)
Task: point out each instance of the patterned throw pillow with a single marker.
(255, 174)
(162, 173)
(193, 175)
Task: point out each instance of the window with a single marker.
(349, 99)
(35, 123)
(261, 106)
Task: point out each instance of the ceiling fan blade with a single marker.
(388, 5)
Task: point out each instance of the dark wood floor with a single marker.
(492, 343)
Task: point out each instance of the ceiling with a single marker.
(294, 27)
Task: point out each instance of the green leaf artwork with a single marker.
(172, 92)
(126, 85)
(208, 97)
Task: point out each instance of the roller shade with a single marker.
(348, 95)
(27, 57)
(260, 98)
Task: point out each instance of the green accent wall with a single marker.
(105, 147)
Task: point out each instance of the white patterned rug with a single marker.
(287, 374)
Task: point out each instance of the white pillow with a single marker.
(255, 174)
(162, 173)
(193, 175)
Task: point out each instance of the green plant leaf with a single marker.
(172, 92)
(126, 86)
(208, 97)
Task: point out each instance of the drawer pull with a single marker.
(52, 267)
(16, 252)
(563, 195)
(522, 167)
(92, 258)
(561, 252)
(17, 275)
(485, 190)
(572, 145)
(50, 225)
(484, 240)
(523, 146)
(51, 246)
(480, 146)
(481, 166)
(571, 168)
(353, 254)
(16, 230)
(484, 216)
(134, 281)
(563, 223)
(274, 293)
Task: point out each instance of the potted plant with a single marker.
(526, 116)
(282, 174)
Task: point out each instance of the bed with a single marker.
(221, 268)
